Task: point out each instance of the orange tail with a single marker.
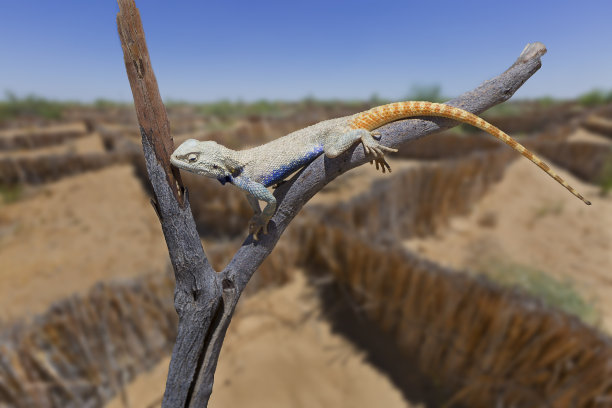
(384, 114)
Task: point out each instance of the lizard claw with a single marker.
(384, 166)
(388, 149)
(381, 150)
(257, 224)
(372, 148)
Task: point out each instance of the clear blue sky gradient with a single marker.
(205, 50)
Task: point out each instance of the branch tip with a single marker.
(532, 50)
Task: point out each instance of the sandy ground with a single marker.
(279, 353)
(530, 220)
(73, 233)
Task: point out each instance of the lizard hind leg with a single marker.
(337, 145)
(371, 146)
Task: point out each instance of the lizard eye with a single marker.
(192, 157)
(215, 167)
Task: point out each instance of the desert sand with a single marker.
(279, 352)
(65, 236)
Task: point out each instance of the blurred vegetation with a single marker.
(376, 100)
(605, 177)
(226, 109)
(12, 106)
(10, 194)
(553, 292)
(546, 101)
(430, 93)
(30, 106)
(311, 101)
(102, 103)
(519, 107)
(595, 97)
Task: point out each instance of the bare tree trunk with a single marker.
(204, 299)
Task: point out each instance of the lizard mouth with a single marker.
(176, 162)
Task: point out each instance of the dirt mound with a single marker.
(599, 124)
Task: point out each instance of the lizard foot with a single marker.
(377, 150)
(257, 224)
(374, 148)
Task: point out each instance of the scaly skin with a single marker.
(253, 170)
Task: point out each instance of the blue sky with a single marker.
(205, 50)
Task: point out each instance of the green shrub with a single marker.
(30, 106)
(102, 103)
(431, 93)
(552, 291)
(595, 97)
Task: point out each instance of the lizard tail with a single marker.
(384, 114)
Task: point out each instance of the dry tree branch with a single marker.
(204, 299)
(198, 290)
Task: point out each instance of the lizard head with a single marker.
(206, 158)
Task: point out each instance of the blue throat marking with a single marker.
(226, 179)
(280, 173)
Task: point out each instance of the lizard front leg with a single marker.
(255, 192)
(334, 146)
(254, 203)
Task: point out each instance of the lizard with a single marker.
(254, 170)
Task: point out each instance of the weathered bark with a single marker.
(198, 287)
(205, 300)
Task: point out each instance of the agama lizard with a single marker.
(253, 170)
